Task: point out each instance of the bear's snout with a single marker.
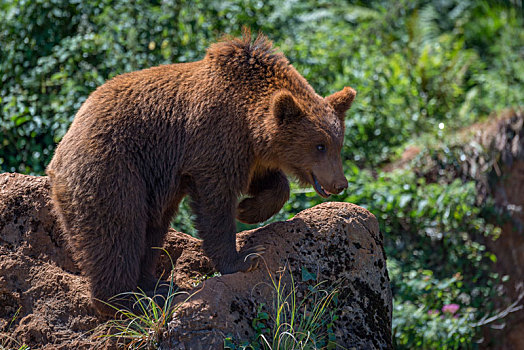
(340, 185)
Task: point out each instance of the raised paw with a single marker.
(252, 211)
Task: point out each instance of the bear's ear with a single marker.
(284, 106)
(342, 100)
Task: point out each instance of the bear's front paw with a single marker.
(251, 211)
(247, 260)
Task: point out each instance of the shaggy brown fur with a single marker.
(230, 124)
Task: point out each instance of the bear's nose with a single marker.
(341, 186)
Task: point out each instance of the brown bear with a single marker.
(231, 124)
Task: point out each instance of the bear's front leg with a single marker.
(269, 191)
(215, 222)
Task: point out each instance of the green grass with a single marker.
(19, 347)
(142, 329)
(10, 343)
(294, 321)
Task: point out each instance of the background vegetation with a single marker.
(422, 69)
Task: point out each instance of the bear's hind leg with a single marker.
(115, 268)
(155, 235)
(107, 236)
(103, 212)
(148, 282)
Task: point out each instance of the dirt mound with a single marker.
(44, 299)
(38, 279)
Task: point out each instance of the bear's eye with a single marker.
(321, 148)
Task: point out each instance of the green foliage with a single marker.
(414, 65)
(294, 322)
(425, 225)
(433, 234)
(54, 53)
(420, 328)
(183, 222)
(143, 328)
(433, 239)
(10, 343)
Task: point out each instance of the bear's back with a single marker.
(133, 117)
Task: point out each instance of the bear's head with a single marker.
(308, 137)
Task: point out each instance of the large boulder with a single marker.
(336, 243)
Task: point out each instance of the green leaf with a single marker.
(308, 276)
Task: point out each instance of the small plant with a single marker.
(8, 347)
(296, 320)
(9, 343)
(142, 329)
(196, 280)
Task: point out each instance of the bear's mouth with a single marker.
(318, 187)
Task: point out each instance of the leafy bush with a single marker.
(433, 239)
(54, 53)
(411, 71)
(414, 65)
(434, 234)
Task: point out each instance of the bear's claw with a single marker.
(246, 260)
(252, 256)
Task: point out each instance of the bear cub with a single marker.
(234, 123)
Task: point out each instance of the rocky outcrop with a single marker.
(338, 243)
